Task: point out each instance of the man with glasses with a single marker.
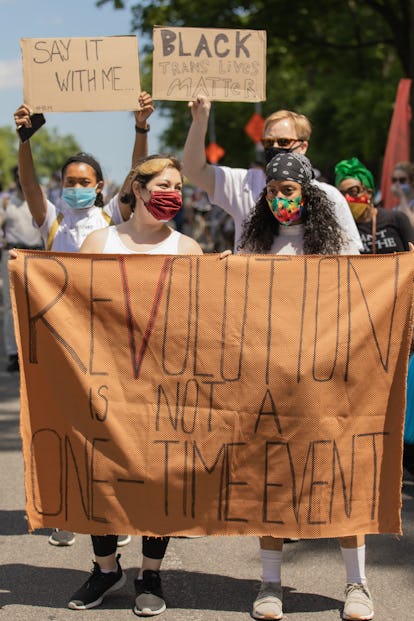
(236, 189)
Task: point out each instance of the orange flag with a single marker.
(398, 143)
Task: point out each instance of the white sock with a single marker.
(354, 559)
(109, 571)
(271, 565)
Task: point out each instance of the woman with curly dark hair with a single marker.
(292, 216)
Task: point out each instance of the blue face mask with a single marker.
(79, 198)
(405, 187)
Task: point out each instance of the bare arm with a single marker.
(140, 150)
(32, 190)
(95, 241)
(195, 165)
(187, 245)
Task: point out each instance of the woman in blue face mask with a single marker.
(402, 180)
(80, 209)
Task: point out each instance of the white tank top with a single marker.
(114, 245)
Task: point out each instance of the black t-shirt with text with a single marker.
(394, 231)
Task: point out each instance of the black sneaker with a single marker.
(98, 585)
(13, 364)
(150, 600)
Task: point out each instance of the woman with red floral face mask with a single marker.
(382, 231)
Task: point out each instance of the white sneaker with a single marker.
(358, 603)
(268, 603)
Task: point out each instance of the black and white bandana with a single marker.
(290, 167)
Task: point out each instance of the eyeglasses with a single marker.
(399, 179)
(282, 143)
(353, 191)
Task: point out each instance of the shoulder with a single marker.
(187, 245)
(332, 193)
(95, 241)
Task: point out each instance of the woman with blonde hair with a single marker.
(155, 197)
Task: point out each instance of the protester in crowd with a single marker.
(402, 187)
(155, 198)
(382, 230)
(295, 216)
(81, 208)
(19, 232)
(236, 189)
(408, 453)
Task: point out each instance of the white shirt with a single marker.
(237, 190)
(115, 245)
(76, 224)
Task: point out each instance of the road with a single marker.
(205, 579)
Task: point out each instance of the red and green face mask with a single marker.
(287, 210)
(358, 204)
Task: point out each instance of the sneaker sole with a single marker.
(353, 618)
(259, 616)
(148, 612)
(124, 542)
(61, 544)
(115, 587)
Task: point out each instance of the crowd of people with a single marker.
(276, 208)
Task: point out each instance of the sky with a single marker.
(109, 136)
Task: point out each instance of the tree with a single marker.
(49, 149)
(337, 61)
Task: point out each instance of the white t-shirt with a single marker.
(237, 190)
(18, 226)
(114, 244)
(76, 224)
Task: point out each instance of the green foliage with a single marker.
(8, 155)
(337, 61)
(49, 149)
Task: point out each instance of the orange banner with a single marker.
(251, 395)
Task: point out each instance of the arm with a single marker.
(94, 243)
(405, 228)
(32, 190)
(194, 157)
(140, 150)
(187, 245)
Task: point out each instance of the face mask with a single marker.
(287, 210)
(405, 188)
(358, 204)
(164, 205)
(79, 198)
(270, 152)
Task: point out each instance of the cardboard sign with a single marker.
(81, 74)
(178, 394)
(223, 65)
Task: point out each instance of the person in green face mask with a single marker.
(382, 231)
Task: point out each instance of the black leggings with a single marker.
(152, 547)
(408, 458)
